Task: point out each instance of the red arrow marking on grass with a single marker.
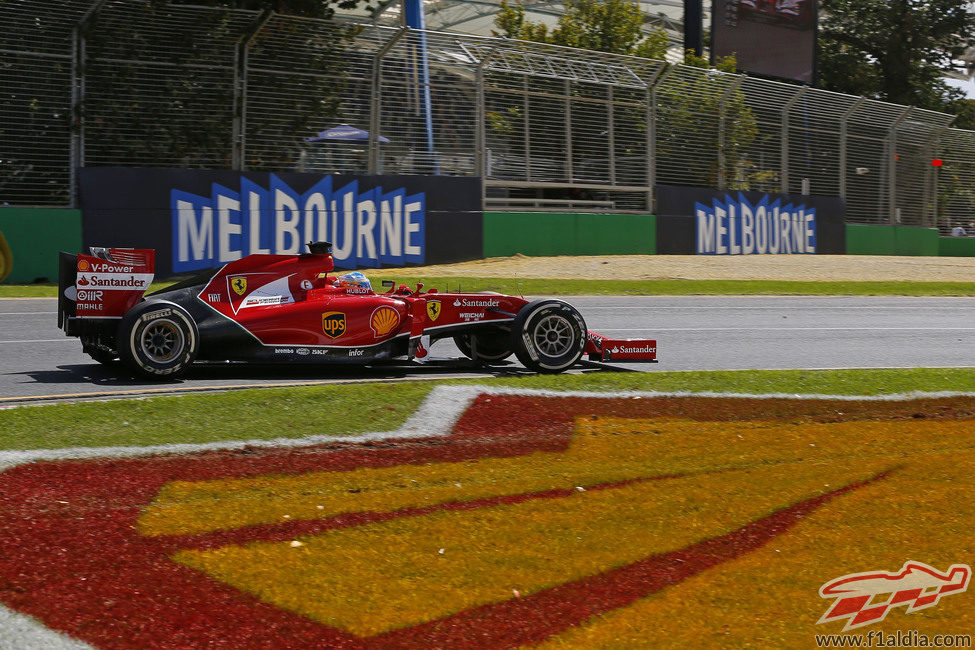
(70, 554)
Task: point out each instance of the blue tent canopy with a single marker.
(343, 132)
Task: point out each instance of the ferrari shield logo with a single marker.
(239, 285)
(333, 324)
(433, 309)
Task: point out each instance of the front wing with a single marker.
(600, 348)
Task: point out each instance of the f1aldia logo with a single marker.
(916, 585)
(333, 324)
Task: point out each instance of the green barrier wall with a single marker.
(547, 234)
(891, 240)
(35, 235)
(956, 246)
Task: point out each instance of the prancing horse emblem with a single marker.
(239, 285)
(433, 309)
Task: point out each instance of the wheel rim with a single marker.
(553, 336)
(162, 341)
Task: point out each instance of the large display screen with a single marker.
(774, 38)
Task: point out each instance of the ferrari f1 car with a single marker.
(293, 309)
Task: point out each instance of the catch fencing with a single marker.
(153, 84)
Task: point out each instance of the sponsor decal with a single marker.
(357, 290)
(622, 349)
(467, 302)
(82, 265)
(469, 316)
(306, 284)
(258, 290)
(383, 320)
(283, 351)
(214, 297)
(333, 324)
(356, 353)
(302, 352)
(92, 296)
(368, 228)
(238, 284)
(115, 281)
(734, 226)
(433, 310)
(916, 586)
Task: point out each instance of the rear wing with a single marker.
(103, 285)
(600, 348)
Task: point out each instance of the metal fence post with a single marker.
(375, 100)
(844, 126)
(567, 91)
(892, 163)
(722, 159)
(662, 73)
(784, 162)
(76, 154)
(239, 135)
(480, 128)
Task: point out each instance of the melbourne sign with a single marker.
(734, 226)
(705, 221)
(202, 219)
(366, 228)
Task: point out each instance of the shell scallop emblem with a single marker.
(383, 320)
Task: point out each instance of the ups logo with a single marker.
(333, 324)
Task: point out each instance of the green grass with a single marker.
(266, 413)
(557, 287)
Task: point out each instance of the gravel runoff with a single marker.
(832, 268)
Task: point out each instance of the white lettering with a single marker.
(194, 234)
(705, 232)
(285, 224)
(366, 225)
(226, 228)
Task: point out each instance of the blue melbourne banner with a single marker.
(732, 225)
(705, 221)
(202, 219)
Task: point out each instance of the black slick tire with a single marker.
(548, 336)
(158, 339)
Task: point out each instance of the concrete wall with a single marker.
(34, 236)
(547, 234)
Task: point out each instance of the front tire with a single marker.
(548, 336)
(158, 340)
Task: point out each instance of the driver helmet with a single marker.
(353, 279)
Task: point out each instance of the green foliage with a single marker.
(894, 50)
(601, 25)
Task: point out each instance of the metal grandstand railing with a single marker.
(151, 84)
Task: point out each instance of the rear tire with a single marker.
(492, 346)
(158, 339)
(548, 336)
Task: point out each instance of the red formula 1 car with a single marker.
(291, 309)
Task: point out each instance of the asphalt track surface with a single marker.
(37, 362)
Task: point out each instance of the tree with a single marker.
(601, 25)
(894, 50)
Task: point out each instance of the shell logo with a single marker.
(383, 320)
(83, 265)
